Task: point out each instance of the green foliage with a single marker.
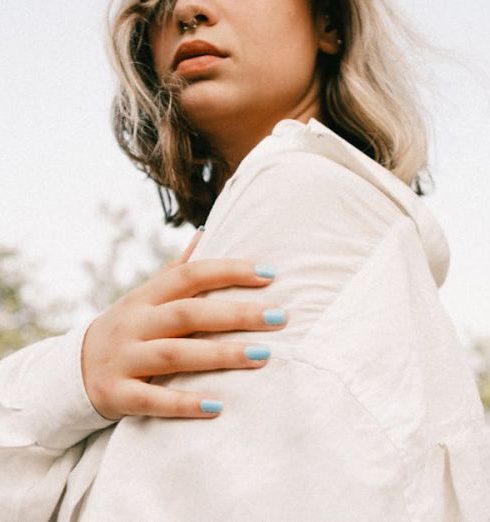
(21, 323)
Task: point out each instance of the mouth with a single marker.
(198, 52)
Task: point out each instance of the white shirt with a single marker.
(366, 411)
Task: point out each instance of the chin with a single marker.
(208, 107)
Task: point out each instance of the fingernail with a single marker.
(265, 271)
(208, 406)
(201, 228)
(274, 316)
(257, 352)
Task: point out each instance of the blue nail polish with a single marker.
(265, 271)
(257, 352)
(274, 316)
(211, 406)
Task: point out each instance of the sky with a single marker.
(59, 160)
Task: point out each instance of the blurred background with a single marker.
(79, 225)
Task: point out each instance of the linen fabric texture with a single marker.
(366, 411)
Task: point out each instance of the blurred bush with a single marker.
(21, 323)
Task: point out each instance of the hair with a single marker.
(368, 96)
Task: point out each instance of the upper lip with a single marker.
(195, 48)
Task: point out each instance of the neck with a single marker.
(235, 140)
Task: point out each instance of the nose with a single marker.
(186, 10)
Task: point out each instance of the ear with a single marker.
(327, 35)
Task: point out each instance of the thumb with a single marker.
(192, 245)
(186, 253)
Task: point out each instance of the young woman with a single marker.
(290, 127)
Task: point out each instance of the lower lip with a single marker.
(197, 64)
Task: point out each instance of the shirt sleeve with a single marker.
(292, 440)
(314, 220)
(364, 314)
(45, 415)
(395, 348)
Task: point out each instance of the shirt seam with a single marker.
(305, 338)
(360, 272)
(398, 451)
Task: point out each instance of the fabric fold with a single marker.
(43, 397)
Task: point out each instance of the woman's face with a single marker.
(268, 72)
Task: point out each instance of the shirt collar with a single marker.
(314, 137)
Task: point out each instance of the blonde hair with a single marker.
(369, 97)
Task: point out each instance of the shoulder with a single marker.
(294, 185)
(310, 171)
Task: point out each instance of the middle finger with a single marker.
(200, 314)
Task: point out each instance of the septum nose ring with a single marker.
(185, 26)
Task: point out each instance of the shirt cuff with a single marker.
(57, 406)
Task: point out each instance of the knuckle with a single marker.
(99, 393)
(238, 269)
(129, 299)
(235, 354)
(233, 265)
(104, 397)
(239, 313)
(139, 402)
(121, 331)
(251, 314)
(187, 274)
(115, 323)
(181, 312)
(168, 357)
(223, 352)
(179, 406)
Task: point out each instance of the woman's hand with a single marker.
(143, 334)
